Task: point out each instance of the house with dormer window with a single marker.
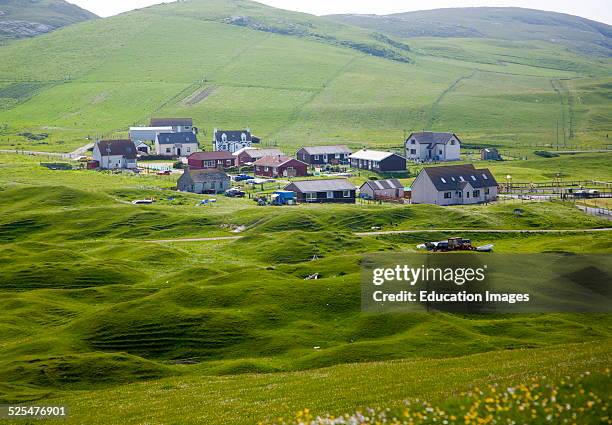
(232, 140)
(429, 146)
(454, 185)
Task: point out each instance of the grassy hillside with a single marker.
(294, 79)
(28, 18)
(508, 23)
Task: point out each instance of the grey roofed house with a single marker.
(174, 138)
(260, 153)
(456, 177)
(305, 186)
(232, 135)
(431, 137)
(327, 150)
(384, 184)
(204, 181)
(125, 148)
(171, 122)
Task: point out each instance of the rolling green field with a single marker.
(291, 78)
(104, 303)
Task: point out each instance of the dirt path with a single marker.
(217, 238)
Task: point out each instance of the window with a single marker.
(413, 142)
(413, 151)
(487, 191)
(467, 194)
(266, 169)
(346, 193)
(330, 195)
(443, 179)
(224, 137)
(447, 195)
(337, 156)
(453, 142)
(453, 179)
(168, 150)
(311, 196)
(459, 194)
(476, 194)
(188, 149)
(461, 178)
(440, 152)
(484, 176)
(316, 157)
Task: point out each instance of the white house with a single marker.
(115, 154)
(454, 185)
(147, 134)
(231, 140)
(179, 125)
(429, 146)
(176, 144)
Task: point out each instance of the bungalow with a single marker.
(321, 155)
(115, 154)
(429, 146)
(179, 125)
(382, 189)
(453, 185)
(231, 140)
(202, 160)
(250, 155)
(280, 166)
(383, 162)
(324, 191)
(176, 144)
(203, 181)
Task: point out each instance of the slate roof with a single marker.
(174, 138)
(456, 177)
(170, 122)
(274, 161)
(304, 186)
(370, 155)
(125, 148)
(211, 156)
(384, 184)
(201, 176)
(232, 135)
(326, 150)
(431, 138)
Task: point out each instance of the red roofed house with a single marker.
(280, 166)
(218, 159)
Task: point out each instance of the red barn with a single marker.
(280, 166)
(218, 159)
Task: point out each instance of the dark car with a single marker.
(243, 177)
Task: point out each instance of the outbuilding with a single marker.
(378, 161)
(204, 181)
(280, 166)
(390, 189)
(324, 191)
(490, 154)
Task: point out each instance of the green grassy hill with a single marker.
(295, 79)
(28, 18)
(504, 23)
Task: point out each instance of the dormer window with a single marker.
(443, 180)
(473, 178)
(484, 176)
(461, 178)
(224, 137)
(243, 137)
(453, 179)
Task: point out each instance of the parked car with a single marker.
(142, 201)
(235, 193)
(164, 173)
(243, 177)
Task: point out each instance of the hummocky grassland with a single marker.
(95, 309)
(91, 304)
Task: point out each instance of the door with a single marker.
(178, 151)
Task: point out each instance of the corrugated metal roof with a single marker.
(371, 155)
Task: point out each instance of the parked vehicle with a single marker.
(142, 201)
(164, 173)
(243, 177)
(454, 244)
(282, 197)
(235, 193)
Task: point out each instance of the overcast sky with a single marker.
(599, 10)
